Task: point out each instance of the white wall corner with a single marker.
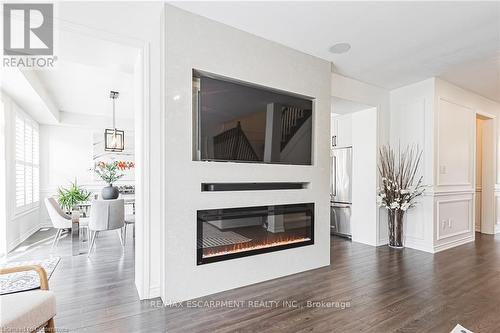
(21, 238)
(361, 92)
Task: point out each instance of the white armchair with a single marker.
(60, 220)
(28, 311)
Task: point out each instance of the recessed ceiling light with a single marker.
(340, 48)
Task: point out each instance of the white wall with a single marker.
(359, 131)
(412, 109)
(18, 227)
(456, 110)
(3, 181)
(137, 24)
(479, 167)
(65, 156)
(196, 42)
(360, 92)
(364, 177)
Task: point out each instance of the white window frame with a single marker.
(30, 201)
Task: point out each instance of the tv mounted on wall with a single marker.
(241, 122)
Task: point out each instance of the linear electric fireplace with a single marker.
(230, 233)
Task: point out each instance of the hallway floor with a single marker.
(366, 289)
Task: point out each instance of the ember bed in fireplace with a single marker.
(237, 232)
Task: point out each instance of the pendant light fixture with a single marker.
(114, 138)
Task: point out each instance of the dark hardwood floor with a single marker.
(365, 289)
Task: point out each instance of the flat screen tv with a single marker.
(240, 122)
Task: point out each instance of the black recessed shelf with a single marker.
(224, 187)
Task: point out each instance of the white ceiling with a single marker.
(393, 43)
(86, 70)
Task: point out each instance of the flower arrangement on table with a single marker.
(110, 173)
(400, 186)
(124, 165)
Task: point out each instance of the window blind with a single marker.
(27, 163)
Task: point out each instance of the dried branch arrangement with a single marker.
(400, 185)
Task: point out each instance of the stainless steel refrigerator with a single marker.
(340, 192)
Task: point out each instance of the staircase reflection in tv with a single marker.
(243, 122)
(230, 233)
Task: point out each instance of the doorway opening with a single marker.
(353, 207)
(485, 174)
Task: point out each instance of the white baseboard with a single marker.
(152, 292)
(418, 244)
(382, 242)
(22, 238)
(46, 224)
(497, 228)
(452, 244)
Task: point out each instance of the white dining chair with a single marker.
(106, 215)
(60, 220)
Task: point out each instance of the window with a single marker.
(27, 163)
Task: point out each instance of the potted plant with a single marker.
(400, 186)
(110, 174)
(70, 197)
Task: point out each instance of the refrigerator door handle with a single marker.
(339, 206)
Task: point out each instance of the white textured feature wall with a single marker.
(196, 42)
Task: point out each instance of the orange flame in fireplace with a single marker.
(253, 245)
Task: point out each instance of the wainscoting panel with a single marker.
(455, 144)
(454, 217)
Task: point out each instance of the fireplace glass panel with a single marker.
(236, 232)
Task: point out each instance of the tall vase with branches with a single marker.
(400, 186)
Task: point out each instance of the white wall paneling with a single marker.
(455, 144)
(463, 106)
(411, 124)
(454, 217)
(443, 119)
